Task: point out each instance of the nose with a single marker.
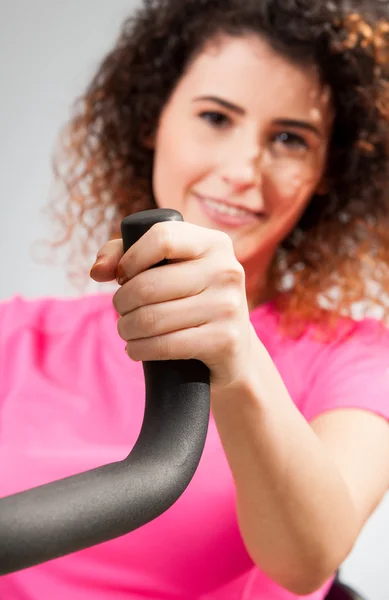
(241, 167)
(241, 177)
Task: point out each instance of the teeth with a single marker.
(225, 209)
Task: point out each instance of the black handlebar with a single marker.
(77, 512)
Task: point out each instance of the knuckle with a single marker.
(133, 352)
(230, 307)
(104, 249)
(236, 273)
(232, 274)
(122, 329)
(187, 351)
(229, 338)
(113, 249)
(116, 302)
(233, 335)
(225, 240)
(161, 348)
(119, 302)
(147, 319)
(145, 289)
(165, 238)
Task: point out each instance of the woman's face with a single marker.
(242, 144)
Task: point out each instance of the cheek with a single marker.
(177, 167)
(290, 189)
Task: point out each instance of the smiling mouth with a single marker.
(229, 210)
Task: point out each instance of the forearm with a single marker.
(295, 513)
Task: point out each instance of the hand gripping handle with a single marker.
(80, 511)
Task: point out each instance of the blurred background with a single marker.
(48, 51)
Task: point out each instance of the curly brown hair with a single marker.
(338, 254)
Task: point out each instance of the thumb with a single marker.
(107, 260)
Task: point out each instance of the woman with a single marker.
(265, 124)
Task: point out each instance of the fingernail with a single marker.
(121, 280)
(96, 264)
(100, 256)
(121, 277)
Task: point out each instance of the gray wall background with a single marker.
(48, 51)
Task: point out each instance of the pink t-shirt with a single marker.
(72, 400)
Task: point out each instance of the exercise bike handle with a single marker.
(83, 510)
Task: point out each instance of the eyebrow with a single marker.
(237, 109)
(294, 123)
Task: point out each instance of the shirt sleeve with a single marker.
(353, 373)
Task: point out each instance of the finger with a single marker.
(159, 319)
(172, 240)
(198, 343)
(107, 260)
(169, 282)
(180, 345)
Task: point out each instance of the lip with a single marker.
(225, 219)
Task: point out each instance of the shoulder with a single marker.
(350, 338)
(349, 368)
(352, 370)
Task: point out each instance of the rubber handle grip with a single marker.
(80, 511)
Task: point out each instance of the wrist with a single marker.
(248, 386)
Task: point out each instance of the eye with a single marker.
(216, 119)
(292, 141)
